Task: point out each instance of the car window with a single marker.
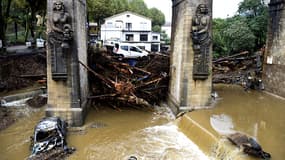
(125, 48)
(135, 49)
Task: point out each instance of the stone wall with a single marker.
(274, 59)
(67, 94)
(185, 92)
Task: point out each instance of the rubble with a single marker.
(15, 68)
(116, 83)
(37, 101)
(235, 69)
(248, 145)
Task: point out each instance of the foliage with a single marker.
(138, 6)
(219, 41)
(256, 13)
(156, 28)
(17, 14)
(238, 36)
(157, 17)
(100, 9)
(245, 31)
(165, 38)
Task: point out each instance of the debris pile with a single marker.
(248, 145)
(37, 101)
(15, 70)
(235, 69)
(117, 83)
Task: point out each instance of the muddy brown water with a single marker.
(110, 134)
(254, 113)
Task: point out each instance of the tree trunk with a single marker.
(27, 26)
(2, 28)
(16, 31)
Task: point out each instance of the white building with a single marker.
(133, 28)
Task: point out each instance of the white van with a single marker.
(127, 50)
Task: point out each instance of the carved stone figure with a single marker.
(201, 42)
(60, 38)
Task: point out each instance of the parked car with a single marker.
(40, 42)
(126, 50)
(49, 133)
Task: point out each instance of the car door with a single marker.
(124, 50)
(135, 52)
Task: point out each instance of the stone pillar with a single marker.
(67, 44)
(191, 54)
(274, 59)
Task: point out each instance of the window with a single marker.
(109, 24)
(155, 38)
(135, 49)
(143, 25)
(143, 37)
(125, 48)
(118, 24)
(154, 47)
(129, 37)
(128, 26)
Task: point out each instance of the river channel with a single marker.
(111, 134)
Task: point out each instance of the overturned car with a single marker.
(49, 133)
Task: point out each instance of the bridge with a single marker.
(191, 56)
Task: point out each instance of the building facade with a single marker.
(132, 28)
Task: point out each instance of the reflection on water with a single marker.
(223, 124)
(254, 113)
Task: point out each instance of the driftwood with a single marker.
(234, 69)
(117, 84)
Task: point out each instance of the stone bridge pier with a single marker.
(191, 54)
(67, 45)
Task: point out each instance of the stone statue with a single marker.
(60, 39)
(201, 42)
(60, 23)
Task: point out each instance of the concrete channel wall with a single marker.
(208, 141)
(274, 59)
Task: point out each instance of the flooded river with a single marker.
(254, 113)
(110, 134)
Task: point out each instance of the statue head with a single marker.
(58, 6)
(202, 9)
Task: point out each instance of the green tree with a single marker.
(99, 10)
(256, 13)
(5, 6)
(238, 36)
(34, 6)
(220, 47)
(158, 19)
(119, 6)
(138, 6)
(164, 38)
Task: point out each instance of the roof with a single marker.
(127, 12)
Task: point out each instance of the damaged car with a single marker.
(49, 133)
